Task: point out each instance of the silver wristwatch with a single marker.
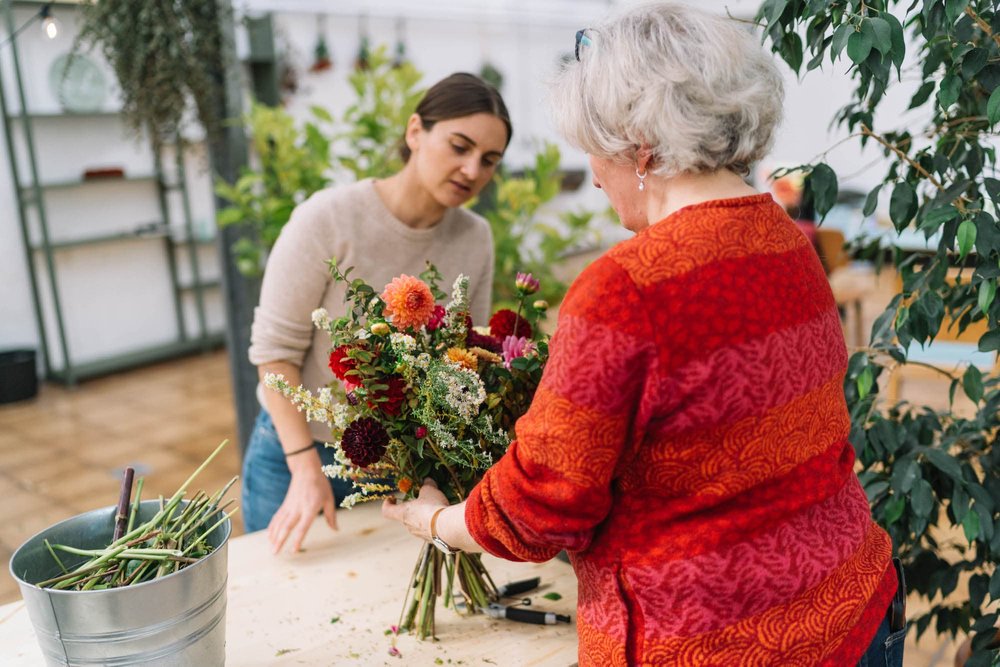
(443, 546)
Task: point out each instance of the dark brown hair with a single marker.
(456, 96)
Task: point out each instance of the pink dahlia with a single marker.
(514, 347)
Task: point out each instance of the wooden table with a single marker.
(332, 603)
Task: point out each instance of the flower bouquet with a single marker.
(420, 392)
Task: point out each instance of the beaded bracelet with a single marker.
(299, 451)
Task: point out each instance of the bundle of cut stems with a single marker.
(175, 537)
(436, 575)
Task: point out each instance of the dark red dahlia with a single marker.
(502, 325)
(340, 363)
(364, 441)
(437, 319)
(394, 396)
(476, 339)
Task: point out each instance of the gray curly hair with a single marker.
(695, 87)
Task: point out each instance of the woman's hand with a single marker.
(416, 514)
(308, 494)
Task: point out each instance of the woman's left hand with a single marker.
(416, 514)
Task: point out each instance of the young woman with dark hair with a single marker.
(382, 227)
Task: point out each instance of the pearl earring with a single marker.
(642, 178)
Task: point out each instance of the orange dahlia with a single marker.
(408, 301)
(463, 358)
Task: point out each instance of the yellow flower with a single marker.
(463, 358)
(486, 355)
(408, 301)
(380, 328)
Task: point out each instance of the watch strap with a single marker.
(436, 539)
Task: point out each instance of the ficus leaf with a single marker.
(972, 382)
(908, 473)
(898, 52)
(990, 341)
(995, 585)
(871, 201)
(953, 8)
(966, 238)
(951, 86)
(894, 510)
(993, 106)
(902, 204)
(922, 498)
(883, 34)
(865, 380)
(775, 10)
(987, 292)
(923, 94)
(823, 182)
(973, 62)
(970, 524)
(859, 45)
(840, 37)
(944, 462)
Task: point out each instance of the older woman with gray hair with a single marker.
(688, 444)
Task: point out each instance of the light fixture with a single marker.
(50, 26)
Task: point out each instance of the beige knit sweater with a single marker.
(352, 224)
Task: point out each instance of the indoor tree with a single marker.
(929, 474)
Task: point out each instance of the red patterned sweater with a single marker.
(688, 447)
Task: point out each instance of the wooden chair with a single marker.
(850, 281)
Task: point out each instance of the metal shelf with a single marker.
(68, 3)
(101, 180)
(30, 189)
(152, 231)
(198, 240)
(205, 284)
(49, 115)
(141, 357)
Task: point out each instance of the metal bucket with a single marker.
(179, 619)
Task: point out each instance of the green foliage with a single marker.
(525, 241)
(924, 468)
(165, 55)
(386, 96)
(292, 164)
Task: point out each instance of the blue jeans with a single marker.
(266, 476)
(886, 649)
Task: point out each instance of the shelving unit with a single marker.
(43, 246)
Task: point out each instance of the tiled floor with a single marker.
(62, 453)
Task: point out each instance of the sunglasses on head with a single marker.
(582, 40)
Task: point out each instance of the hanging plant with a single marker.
(164, 54)
(491, 75)
(321, 53)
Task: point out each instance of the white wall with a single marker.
(524, 39)
(115, 297)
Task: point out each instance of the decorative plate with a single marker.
(78, 83)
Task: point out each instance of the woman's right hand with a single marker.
(308, 494)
